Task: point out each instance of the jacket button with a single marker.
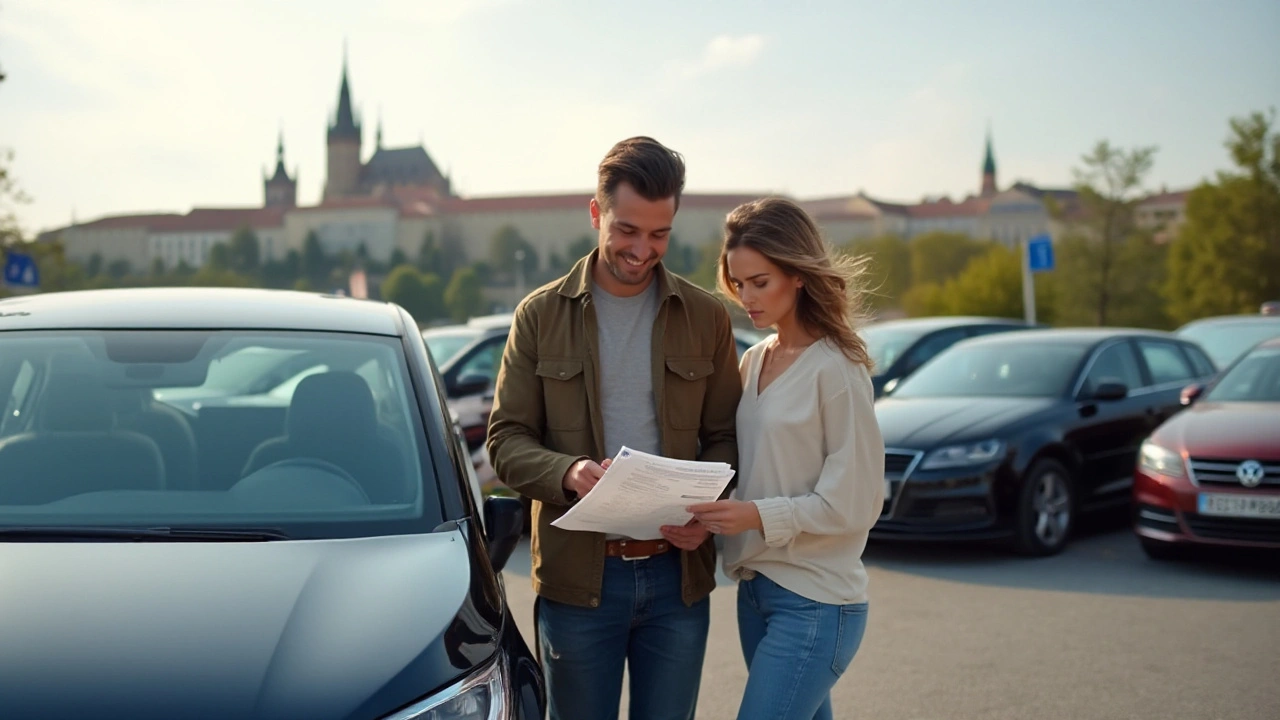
(690, 373)
(595, 602)
(561, 373)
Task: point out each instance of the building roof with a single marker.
(944, 208)
(402, 166)
(1177, 197)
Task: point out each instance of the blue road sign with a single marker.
(1040, 253)
(20, 270)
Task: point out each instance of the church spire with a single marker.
(345, 125)
(989, 168)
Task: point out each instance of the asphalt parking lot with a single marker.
(1099, 631)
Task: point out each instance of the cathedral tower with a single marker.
(343, 176)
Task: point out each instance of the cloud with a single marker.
(727, 51)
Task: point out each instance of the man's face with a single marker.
(634, 233)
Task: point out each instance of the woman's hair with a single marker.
(831, 301)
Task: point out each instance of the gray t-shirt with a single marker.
(625, 328)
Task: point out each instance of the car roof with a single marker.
(941, 322)
(491, 322)
(1233, 320)
(199, 308)
(1073, 335)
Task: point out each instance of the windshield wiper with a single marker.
(141, 534)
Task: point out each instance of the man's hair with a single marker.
(652, 169)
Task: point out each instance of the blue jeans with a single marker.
(796, 649)
(641, 622)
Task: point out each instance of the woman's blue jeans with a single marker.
(795, 649)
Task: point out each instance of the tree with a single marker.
(245, 252)
(1226, 256)
(1137, 275)
(428, 254)
(707, 272)
(509, 252)
(398, 258)
(1109, 184)
(420, 293)
(464, 296)
(580, 248)
(991, 285)
(939, 256)
(681, 258)
(890, 270)
(315, 264)
(11, 195)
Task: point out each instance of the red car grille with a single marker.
(1223, 472)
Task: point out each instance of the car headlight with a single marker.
(1161, 460)
(483, 695)
(963, 455)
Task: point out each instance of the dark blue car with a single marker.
(243, 504)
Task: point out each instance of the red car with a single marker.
(1210, 475)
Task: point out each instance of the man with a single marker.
(618, 352)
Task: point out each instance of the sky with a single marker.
(124, 106)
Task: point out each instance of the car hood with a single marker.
(285, 629)
(1225, 430)
(925, 423)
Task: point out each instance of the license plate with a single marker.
(1267, 506)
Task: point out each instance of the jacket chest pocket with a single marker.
(686, 385)
(564, 393)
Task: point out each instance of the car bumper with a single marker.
(945, 504)
(1166, 510)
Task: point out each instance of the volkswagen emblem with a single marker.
(1250, 473)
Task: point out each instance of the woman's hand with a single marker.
(727, 517)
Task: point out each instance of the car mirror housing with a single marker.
(1110, 390)
(470, 384)
(1191, 393)
(503, 526)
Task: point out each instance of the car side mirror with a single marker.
(1191, 393)
(503, 526)
(470, 384)
(1110, 391)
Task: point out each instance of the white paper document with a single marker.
(640, 493)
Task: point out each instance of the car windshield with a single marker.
(1255, 378)
(445, 344)
(312, 434)
(886, 344)
(995, 370)
(1227, 341)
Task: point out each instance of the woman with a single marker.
(811, 462)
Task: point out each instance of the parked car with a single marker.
(900, 347)
(1227, 337)
(1211, 475)
(1012, 435)
(312, 552)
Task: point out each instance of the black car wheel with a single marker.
(1046, 510)
(1157, 550)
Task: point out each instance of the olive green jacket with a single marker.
(546, 415)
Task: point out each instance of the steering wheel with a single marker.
(314, 463)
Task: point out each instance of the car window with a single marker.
(1114, 363)
(335, 450)
(12, 420)
(1255, 378)
(1226, 341)
(995, 370)
(1165, 362)
(886, 344)
(485, 360)
(1199, 361)
(932, 345)
(443, 345)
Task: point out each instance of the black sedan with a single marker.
(1010, 436)
(183, 535)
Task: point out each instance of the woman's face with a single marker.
(767, 293)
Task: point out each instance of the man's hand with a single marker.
(688, 537)
(728, 517)
(582, 476)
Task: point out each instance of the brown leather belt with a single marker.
(635, 549)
